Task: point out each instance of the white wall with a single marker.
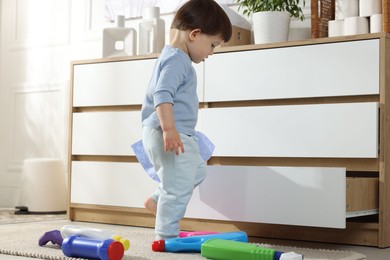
(38, 40)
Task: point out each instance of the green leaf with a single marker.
(293, 7)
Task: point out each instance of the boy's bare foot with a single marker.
(151, 205)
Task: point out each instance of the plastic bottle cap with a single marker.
(115, 251)
(125, 242)
(158, 246)
(291, 256)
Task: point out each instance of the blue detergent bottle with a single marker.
(194, 243)
(108, 249)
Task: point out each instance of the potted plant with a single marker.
(271, 18)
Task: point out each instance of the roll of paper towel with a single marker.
(356, 25)
(376, 23)
(335, 28)
(43, 186)
(346, 8)
(370, 7)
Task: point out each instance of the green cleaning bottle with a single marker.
(219, 249)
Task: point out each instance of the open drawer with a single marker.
(362, 196)
(302, 196)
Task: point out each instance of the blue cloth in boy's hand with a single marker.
(206, 148)
(143, 159)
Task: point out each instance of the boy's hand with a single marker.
(172, 141)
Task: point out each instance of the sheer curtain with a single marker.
(133, 8)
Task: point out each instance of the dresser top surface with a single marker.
(251, 47)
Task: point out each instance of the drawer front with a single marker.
(117, 83)
(334, 69)
(304, 196)
(114, 184)
(105, 133)
(111, 83)
(326, 130)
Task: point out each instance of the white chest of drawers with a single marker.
(296, 126)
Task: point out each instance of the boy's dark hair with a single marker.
(205, 15)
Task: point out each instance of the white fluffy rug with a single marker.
(22, 240)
